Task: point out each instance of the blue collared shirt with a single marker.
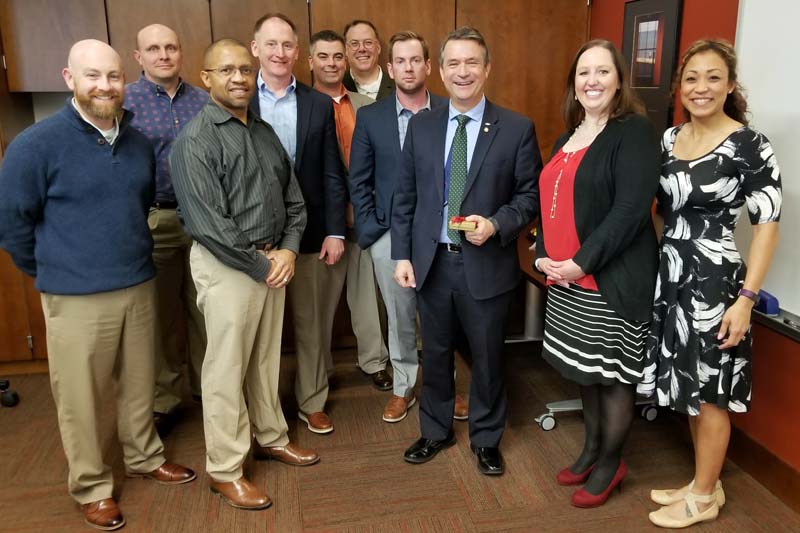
(404, 115)
(160, 118)
(280, 113)
(473, 127)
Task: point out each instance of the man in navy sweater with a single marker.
(76, 189)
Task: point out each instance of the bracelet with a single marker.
(750, 294)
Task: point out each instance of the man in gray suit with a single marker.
(328, 64)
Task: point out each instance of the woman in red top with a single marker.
(597, 245)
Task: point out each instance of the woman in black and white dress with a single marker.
(699, 349)
(597, 245)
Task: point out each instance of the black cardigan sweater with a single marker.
(615, 184)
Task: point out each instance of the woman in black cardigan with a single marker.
(597, 245)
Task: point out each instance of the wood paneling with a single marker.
(16, 111)
(238, 22)
(37, 36)
(189, 18)
(14, 328)
(432, 19)
(532, 45)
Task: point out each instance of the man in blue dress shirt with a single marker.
(163, 104)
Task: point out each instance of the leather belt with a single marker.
(450, 247)
(263, 246)
(165, 205)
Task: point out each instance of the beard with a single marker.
(100, 109)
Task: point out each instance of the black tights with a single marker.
(607, 417)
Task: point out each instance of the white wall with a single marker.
(769, 69)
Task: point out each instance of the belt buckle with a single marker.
(453, 248)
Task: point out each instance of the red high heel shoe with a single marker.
(582, 498)
(566, 477)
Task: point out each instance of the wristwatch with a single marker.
(750, 294)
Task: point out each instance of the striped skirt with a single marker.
(588, 342)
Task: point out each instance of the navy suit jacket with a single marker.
(318, 167)
(502, 182)
(375, 161)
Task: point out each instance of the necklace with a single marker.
(567, 157)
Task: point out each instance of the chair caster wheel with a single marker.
(546, 421)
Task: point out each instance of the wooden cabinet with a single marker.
(189, 18)
(37, 36)
(431, 19)
(236, 21)
(532, 44)
(22, 332)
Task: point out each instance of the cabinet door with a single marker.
(189, 18)
(532, 44)
(37, 36)
(234, 19)
(432, 19)
(14, 326)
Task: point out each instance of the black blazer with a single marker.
(375, 161)
(502, 183)
(386, 88)
(318, 167)
(615, 184)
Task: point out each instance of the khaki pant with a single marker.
(243, 320)
(356, 269)
(176, 293)
(93, 341)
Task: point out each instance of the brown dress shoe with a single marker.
(317, 422)
(289, 454)
(103, 514)
(168, 474)
(241, 494)
(461, 410)
(397, 408)
(382, 380)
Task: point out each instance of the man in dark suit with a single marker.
(304, 121)
(365, 75)
(374, 162)
(480, 161)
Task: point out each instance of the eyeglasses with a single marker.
(369, 44)
(228, 71)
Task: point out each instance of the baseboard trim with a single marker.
(15, 368)
(778, 477)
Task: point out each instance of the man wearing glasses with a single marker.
(304, 121)
(242, 205)
(365, 76)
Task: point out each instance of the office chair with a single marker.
(8, 397)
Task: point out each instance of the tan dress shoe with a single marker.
(289, 454)
(461, 410)
(103, 514)
(168, 474)
(397, 408)
(241, 494)
(317, 422)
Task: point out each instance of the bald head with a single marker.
(158, 32)
(95, 76)
(92, 52)
(158, 52)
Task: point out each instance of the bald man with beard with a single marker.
(77, 188)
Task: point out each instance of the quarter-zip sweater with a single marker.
(73, 209)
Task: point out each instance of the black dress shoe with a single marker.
(424, 449)
(490, 460)
(164, 422)
(382, 380)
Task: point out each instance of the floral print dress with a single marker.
(701, 271)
